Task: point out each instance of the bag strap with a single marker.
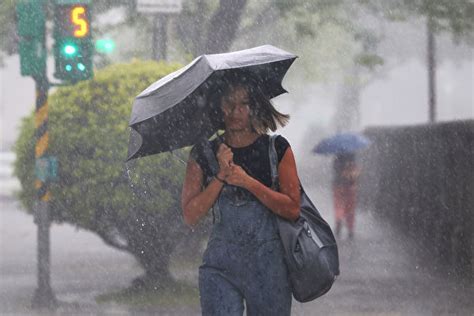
(273, 162)
(210, 157)
(214, 166)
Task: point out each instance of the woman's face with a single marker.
(236, 109)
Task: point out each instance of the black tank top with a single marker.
(252, 158)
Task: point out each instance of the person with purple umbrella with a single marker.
(346, 173)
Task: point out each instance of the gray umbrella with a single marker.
(174, 111)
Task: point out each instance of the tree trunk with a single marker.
(201, 35)
(156, 264)
(152, 238)
(224, 25)
(347, 117)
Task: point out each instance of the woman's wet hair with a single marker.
(263, 115)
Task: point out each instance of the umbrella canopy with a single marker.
(341, 144)
(174, 111)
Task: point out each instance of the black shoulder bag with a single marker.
(310, 247)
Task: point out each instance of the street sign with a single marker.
(31, 21)
(159, 6)
(46, 168)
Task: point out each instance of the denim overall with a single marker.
(243, 260)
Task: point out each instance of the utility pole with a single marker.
(431, 60)
(43, 296)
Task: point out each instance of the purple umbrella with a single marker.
(341, 144)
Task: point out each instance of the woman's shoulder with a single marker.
(281, 145)
(281, 140)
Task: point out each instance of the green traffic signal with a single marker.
(105, 46)
(73, 45)
(69, 50)
(73, 59)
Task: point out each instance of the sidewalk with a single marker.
(378, 274)
(380, 277)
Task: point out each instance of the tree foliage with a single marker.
(8, 38)
(211, 26)
(135, 209)
(455, 17)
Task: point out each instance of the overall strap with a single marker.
(273, 162)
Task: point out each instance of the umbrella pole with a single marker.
(178, 157)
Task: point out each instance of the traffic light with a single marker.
(73, 46)
(30, 17)
(105, 45)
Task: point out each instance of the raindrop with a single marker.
(201, 101)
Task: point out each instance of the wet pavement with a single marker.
(379, 273)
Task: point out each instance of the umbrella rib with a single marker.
(178, 157)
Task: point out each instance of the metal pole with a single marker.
(163, 31)
(43, 296)
(154, 49)
(431, 71)
(159, 37)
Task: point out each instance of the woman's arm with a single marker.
(285, 203)
(196, 203)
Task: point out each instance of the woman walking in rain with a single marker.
(244, 259)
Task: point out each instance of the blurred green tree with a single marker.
(455, 17)
(8, 36)
(136, 208)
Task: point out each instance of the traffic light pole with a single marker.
(44, 296)
(73, 52)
